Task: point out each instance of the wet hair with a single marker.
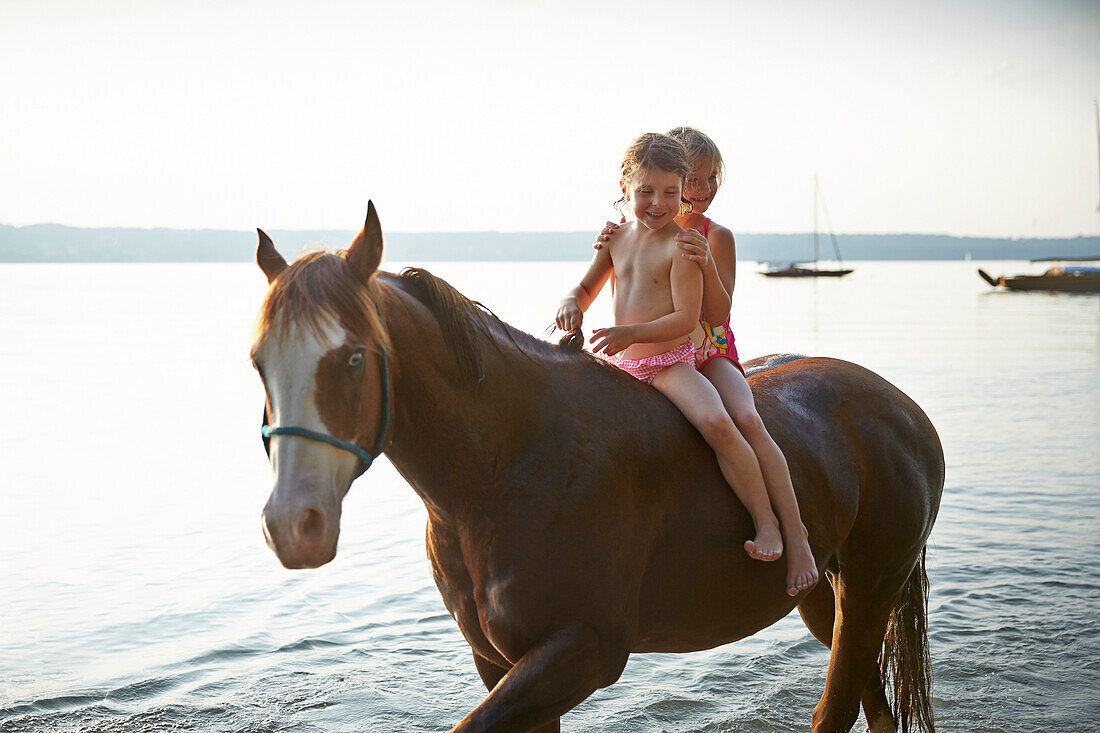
(655, 151)
(699, 147)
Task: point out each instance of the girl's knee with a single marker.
(717, 428)
(750, 424)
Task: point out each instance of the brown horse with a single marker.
(574, 516)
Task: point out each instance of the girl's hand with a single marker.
(611, 340)
(695, 248)
(607, 233)
(570, 315)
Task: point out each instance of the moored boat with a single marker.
(796, 269)
(1059, 278)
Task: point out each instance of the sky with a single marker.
(967, 118)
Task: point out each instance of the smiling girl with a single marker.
(711, 247)
(658, 295)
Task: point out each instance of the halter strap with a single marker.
(365, 459)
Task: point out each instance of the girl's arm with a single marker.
(572, 307)
(716, 257)
(687, 294)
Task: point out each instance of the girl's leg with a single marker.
(702, 406)
(737, 398)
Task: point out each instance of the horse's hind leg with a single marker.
(818, 610)
(857, 640)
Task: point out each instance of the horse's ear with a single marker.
(268, 258)
(365, 253)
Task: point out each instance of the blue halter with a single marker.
(365, 459)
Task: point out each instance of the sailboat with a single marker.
(794, 269)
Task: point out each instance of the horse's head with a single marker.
(320, 352)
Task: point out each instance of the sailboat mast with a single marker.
(815, 221)
(829, 226)
(1096, 107)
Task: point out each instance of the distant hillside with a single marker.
(56, 243)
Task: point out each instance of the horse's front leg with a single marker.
(550, 679)
(491, 674)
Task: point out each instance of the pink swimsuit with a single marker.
(649, 367)
(717, 340)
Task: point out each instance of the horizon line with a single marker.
(1079, 235)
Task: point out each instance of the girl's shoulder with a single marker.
(718, 234)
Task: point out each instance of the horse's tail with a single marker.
(904, 659)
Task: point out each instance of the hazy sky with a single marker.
(966, 117)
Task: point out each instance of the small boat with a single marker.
(795, 269)
(1059, 278)
(1064, 278)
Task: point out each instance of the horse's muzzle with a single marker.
(302, 534)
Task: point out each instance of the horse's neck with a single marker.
(452, 440)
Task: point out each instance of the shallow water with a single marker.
(138, 594)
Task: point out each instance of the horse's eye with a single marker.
(355, 360)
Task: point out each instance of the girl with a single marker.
(711, 246)
(657, 299)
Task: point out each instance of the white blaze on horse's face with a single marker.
(302, 517)
(290, 375)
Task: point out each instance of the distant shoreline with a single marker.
(57, 243)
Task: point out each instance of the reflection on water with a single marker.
(138, 593)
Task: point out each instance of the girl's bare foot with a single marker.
(768, 545)
(801, 567)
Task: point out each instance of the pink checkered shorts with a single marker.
(649, 367)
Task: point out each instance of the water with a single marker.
(138, 594)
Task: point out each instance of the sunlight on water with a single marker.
(138, 593)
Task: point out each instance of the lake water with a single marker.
(138, 593)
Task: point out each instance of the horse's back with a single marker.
(854, 437)
(863, 458)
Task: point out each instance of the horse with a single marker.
(574, 515)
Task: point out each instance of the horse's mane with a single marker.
(317, 288)
(467, 323)
(459, 319)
